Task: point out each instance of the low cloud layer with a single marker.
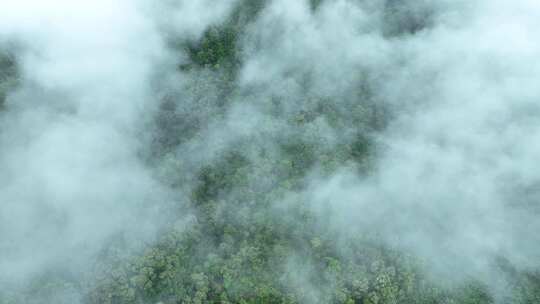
(455, 180)
(111, 124)
(72, 175)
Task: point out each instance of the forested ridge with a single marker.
(240, 227)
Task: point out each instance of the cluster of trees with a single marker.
(244, 246)
(8, 75)
(248, 241)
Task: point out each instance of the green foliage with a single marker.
(315, 4)
(216, 49)
(8, 76)
(401, 18)
(248, 243)
(220, 46)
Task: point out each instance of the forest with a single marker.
(265, 137)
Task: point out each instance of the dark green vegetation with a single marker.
(248, 240)
(8, 76)
(402, 17)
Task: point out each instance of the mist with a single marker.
(73, 130)
(269, 151)
(454, 180)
